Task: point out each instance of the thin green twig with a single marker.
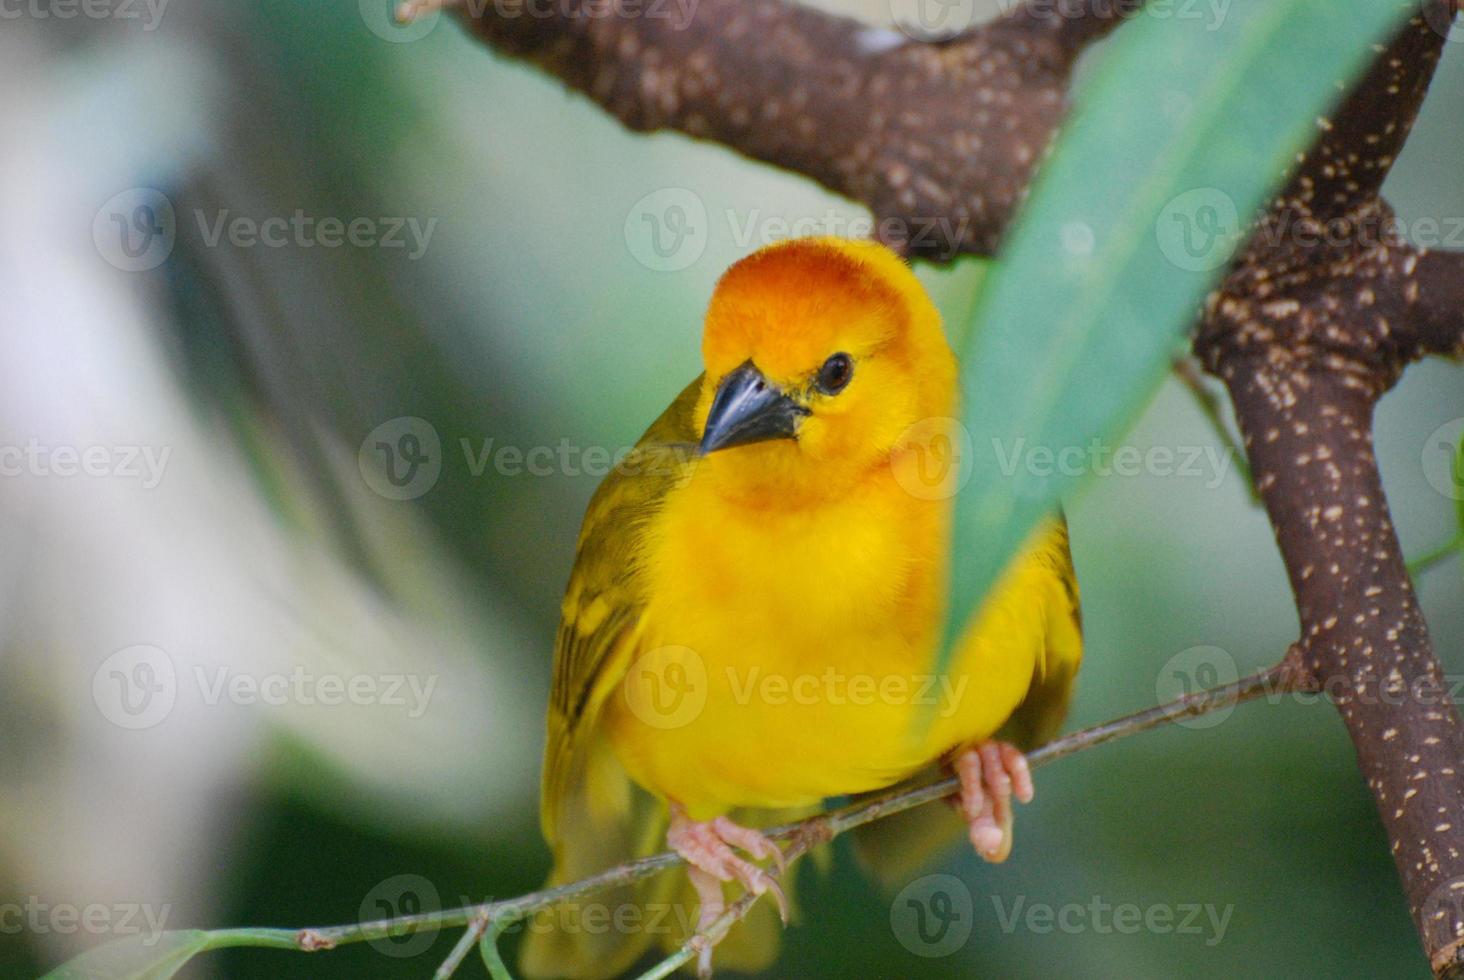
(1209, 404)
(1453, 548)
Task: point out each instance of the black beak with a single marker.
(749, 408)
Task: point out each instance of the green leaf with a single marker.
(160, 956)
(1175, 142)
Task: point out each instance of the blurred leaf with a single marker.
(158, 957)
(1077, 324)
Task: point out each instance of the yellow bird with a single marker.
(752, 623)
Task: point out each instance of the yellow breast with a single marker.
(788, 654)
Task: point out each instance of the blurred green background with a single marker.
(536, 308)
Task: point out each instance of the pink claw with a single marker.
(991, 773)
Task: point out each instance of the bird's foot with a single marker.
(708, 847)
(991, 773)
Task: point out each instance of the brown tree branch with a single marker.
(1438, 303)
(1321, 314)
(938, 140)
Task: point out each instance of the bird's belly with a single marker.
(718, 726)
(714, 732)
(795, 659)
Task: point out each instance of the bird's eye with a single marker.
(835, 374)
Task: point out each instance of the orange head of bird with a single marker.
(820, 353)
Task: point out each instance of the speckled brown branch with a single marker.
(1317, 320)
(939, 140)
(1318, 317)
